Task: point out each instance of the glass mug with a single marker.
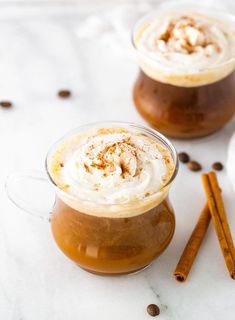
(174, 108)
(100, 244)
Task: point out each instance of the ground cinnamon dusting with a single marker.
(103, 131)
(182, 24)
(168, 33)
(87, 168)
(124, 169)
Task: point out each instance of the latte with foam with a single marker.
(184, 47)
(111, 166)
(186, 54)
(112, 214)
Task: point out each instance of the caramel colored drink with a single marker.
(113, 245)
(186, 80)
(112, 213)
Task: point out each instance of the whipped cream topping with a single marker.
(181, 48)
(111, 166)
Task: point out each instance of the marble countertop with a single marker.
(44, 48)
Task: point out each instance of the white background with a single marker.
(85, 48)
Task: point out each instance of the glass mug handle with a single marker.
(32, 192)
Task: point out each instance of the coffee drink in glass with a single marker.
(185, 87)
(112, 213)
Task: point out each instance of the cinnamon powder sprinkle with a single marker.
(186, 43)
(87, 168)
(124, 169)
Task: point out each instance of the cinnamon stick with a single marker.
(219, 218)
(192, 247)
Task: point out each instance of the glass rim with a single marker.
(190, 6)
(157, 136)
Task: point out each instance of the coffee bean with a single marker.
(194, 165)
(153, 310)
(217, 166)
(64, 93)
(5, 104)
(184, 157)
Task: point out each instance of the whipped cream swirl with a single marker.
(112, 168)
(183, 44)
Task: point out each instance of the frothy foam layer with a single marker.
(111, 167)
(185, 48)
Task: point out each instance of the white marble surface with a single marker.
(42, 49)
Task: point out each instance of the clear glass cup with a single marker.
(89, 236)
(175, 108)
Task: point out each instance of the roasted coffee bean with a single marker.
(217, 166)
(153, 310)
(184, 157)
(5, 104)
(194, 165)
(64, 93)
